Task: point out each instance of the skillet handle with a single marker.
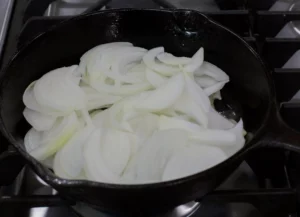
(280, 135)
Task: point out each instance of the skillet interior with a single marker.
(181, 32)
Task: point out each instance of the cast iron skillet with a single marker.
(250, 93)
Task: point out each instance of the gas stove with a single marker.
(264, 185)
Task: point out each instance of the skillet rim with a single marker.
(56, 181)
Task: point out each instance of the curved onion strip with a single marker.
(238, 130)
(155, 79)
(32, 140)
(101, 119)
(166, 123)
(205, 81)
(30, 102)
(153, 157)
(56, 138)
(192, 159)
(214, 137)
(214, 72)
(39, 121)
(57, 91)
(188, 106)
(123, 90)
(48, 162)
(216, 95)
(217, 121)
(97, 100)
(118, 144)
(144, 126)
(170, 59)
(215, 88)
(117, 69)
(137, 69)
(164, 96)
(197, 93)
(70, 157)
(97, 51)
(116, 117)
(149, 60)
(99, 64)
(94, 165)
(196, 62)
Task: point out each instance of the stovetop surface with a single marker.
(264, 185)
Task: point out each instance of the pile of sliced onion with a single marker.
(130, 115)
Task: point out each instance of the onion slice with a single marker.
(94, 165)
(166, 123)
(155, 79)
(214, 88)
(214, 71)
(196, 61)
(153, 157)
(164, 96)
(149, 60)
(214, 137)
(39, 121)
(55, 138)
(192, 159)
(197, 93)
(57, 91)
(70, 158)
(116, 149)
(170, 59)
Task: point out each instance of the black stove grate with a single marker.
(258, 27)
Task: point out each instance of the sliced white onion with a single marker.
(205, 81)
(153, 157)
(32, 140)
(214, 137)
(113, 56)
(155, 79)
(94, 165)
(160, 123)
(214, 72)
(214, 88)
(170, 59)
(97, 100)
(164, 96)
(217, 121)
(123, 90)
(57, 91)
(137, 69)
(70, 158)
(101, 119)
(186, 105)
(117, 69)
(55, 138)
(149, 60)
(39, 121)
(196, 61)
(116, 149)
(48, 162)
(166, 123)
(238, 130)
(30, 102)
(192, 159)
(97, 52)
(144, 126)
(197, 93)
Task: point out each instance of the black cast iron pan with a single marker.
(250, 93)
